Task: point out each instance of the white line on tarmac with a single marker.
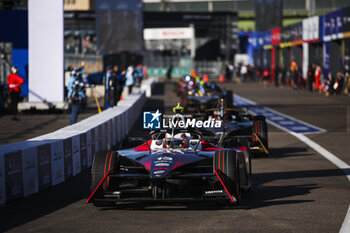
(345, 228)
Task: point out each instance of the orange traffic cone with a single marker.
(221, 78)
(205, 78)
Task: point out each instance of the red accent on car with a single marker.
(208, 146)
(142, 147)
(93, 193)
(242, 148)
(222, 183)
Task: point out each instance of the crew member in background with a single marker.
(112, 90)
(317, 77)
(130, 78)
(311, 76)
(266, 75)
(14, 83)
(139, 74)
(107, 77)
(116, 70)
(121, 85)
(76, 94)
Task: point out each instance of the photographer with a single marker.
(76, 94)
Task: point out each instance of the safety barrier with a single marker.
(29, 166)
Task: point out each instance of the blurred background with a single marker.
(182, 34)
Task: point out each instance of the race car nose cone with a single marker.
(162, 165)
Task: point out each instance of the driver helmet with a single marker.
(179, 140)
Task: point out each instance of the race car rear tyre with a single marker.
(226, 165)
(229, 99)
(102, 163)
(260, 129)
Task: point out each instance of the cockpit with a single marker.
(182, 140)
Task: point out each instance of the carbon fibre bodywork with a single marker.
(139, 174)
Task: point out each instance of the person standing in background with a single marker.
(130, 78)
(14, 83)
(76, 94)
(317, 77)
(139, 74)
(107, 80)
(121, 84)
(311, 76)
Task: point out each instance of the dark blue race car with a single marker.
(175, 165)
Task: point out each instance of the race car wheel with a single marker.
(102, 163)
(227, 167)
(260, 132)
(245, 142)
(229, 99)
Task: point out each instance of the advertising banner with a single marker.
(267, 38)
(57, 161)
(13, 175)
(114, 134)
(260, 40)
(321, 27)
(297, 33)
(117, 128)
(254, 40)
(168, 33)
(127, 123)
(95, 137)
(89, 145)
(44, 166)
(68, 160)
(109, 134)
(286, 34)
(333, 25)
(76, 155)
(346, 22)
(337, 30)
(2, 180)
(275, 36)
(100, 137)
(326, 59)
(311, 29)
(83, 151)
(30, 170)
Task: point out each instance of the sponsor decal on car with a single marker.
(162, 164)
(159, 172)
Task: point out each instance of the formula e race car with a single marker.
(196, 95)
(237, 123)
(176, 165)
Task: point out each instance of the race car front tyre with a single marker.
(102, 163)
(226, 165)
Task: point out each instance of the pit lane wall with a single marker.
(29, 166)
